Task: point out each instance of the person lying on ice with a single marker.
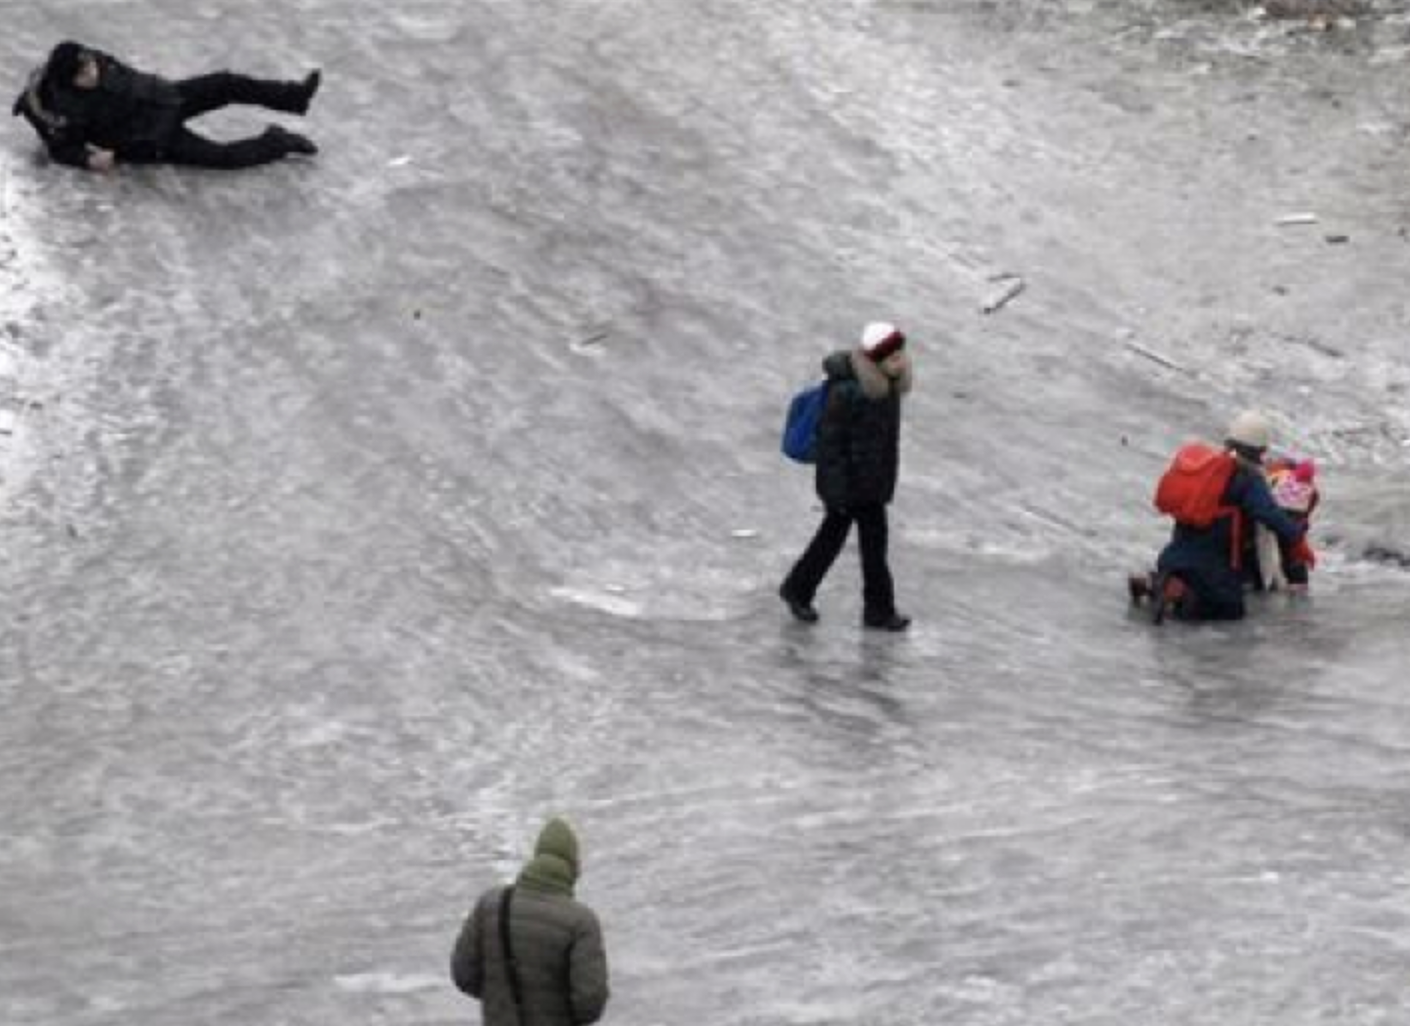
(92, 111)
(1216, 496)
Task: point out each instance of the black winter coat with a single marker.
(130, 112)
(859, 436)
(1203, 557)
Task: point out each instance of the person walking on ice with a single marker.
(531, 953)
(857, 462)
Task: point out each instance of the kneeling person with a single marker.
(1215, 496)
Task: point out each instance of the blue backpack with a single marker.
(800, 427)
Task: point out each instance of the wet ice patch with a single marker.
(428, 25)
(25, 285)
(388, 983)
(663, 587)
(1011, 548)
(976, 989)
(319, 735)
(608, 599)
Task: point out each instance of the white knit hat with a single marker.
(880, 339)
(1251, 429)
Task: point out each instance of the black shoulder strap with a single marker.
(511, 967)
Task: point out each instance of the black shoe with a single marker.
(307, 88)
(802, 612)
(894, 622)
(1139, 587)
(291, 142)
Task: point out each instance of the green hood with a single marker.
(554, 866)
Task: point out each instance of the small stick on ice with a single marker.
(591, 342)
(1151, 354)
(1000, 299)
(1301, 218)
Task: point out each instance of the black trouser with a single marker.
(878, 593)
(205, 93)
(1200, 602)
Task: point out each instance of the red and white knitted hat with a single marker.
(880, 340)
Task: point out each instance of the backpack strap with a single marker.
(1236, 534)
(1237, 520)
(1235, 514)
(511, 967)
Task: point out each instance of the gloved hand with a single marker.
(1302, 553)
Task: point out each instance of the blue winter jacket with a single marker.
(1203, 557)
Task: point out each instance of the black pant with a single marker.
(878, 592)
(206, 93)
(1200, 603)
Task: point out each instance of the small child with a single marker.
(1293, 483)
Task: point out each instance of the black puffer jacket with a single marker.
(129, 112)
(858, 450)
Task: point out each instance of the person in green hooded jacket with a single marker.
(555, 971)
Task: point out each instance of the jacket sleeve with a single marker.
(63, 150)
(64, 145)
(467, 961)
(587, 972)
(1258, 502)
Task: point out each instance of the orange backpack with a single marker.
(1192, 487)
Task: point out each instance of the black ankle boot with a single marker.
(1139, 587)
(802, 612)
(894, 622)
(307, 88)
(290, 142)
